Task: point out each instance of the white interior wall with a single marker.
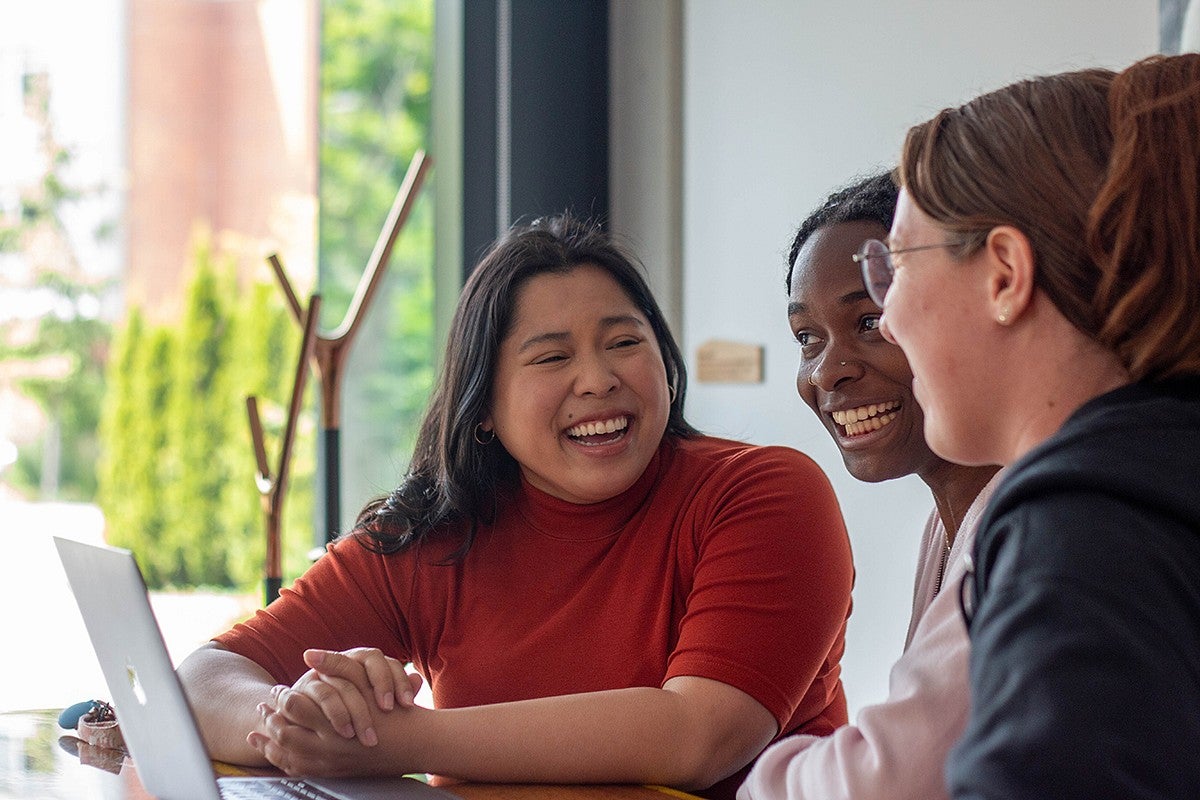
(645, 145)
(784, 100)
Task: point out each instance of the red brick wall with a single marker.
(221, 118)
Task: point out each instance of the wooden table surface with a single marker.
(499, 791)
(45, 762)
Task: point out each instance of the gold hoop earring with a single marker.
(491, 435)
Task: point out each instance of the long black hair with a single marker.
(452, 476)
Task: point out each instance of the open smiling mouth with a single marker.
(604, 431)
(865, 419)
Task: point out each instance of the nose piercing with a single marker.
(811, 382)
(842, 363)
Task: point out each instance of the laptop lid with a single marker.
(156, 719)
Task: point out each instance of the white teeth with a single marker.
(872, 424)
(596, 428)
(866, 413)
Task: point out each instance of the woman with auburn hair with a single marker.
(1043, 277)
(596, 592)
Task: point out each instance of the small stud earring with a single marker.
(1003, 318)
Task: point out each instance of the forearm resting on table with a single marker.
(690, 734)
(224, 690)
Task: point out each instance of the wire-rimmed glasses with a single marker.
(877, 269)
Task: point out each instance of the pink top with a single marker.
(898, 748)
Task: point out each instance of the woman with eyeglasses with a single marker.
(595, 592)
(1044, 282)
(860, 387)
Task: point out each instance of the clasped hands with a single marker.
(324, 724)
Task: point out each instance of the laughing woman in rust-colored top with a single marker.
(594, 591)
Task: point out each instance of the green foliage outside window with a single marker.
(71, 399)
(177, 478)
(199, 415)
(176, 468)
(376, 76)
(376, 66)
(62, 362)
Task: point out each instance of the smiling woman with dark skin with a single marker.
(860, 386)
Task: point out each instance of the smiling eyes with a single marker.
(807, 338)
(620, 344)
(868, 324)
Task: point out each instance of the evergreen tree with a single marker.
(263, 356)
(200, 412)
(145, 476)
(119, 420)
(159, 439)
(179, 471)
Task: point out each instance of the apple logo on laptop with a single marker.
(135, 683)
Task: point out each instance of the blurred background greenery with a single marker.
(148, 419)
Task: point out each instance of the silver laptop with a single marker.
(156, 720)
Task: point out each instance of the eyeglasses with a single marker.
(878, 269)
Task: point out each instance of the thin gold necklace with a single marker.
(937, 586)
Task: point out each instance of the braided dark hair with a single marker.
(870, 199)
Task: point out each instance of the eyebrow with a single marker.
(562, 336)
(848, 299)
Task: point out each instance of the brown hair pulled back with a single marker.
(1102, 172)
(1144, 229)
(1032, 155)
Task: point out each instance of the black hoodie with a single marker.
(1085, 643)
